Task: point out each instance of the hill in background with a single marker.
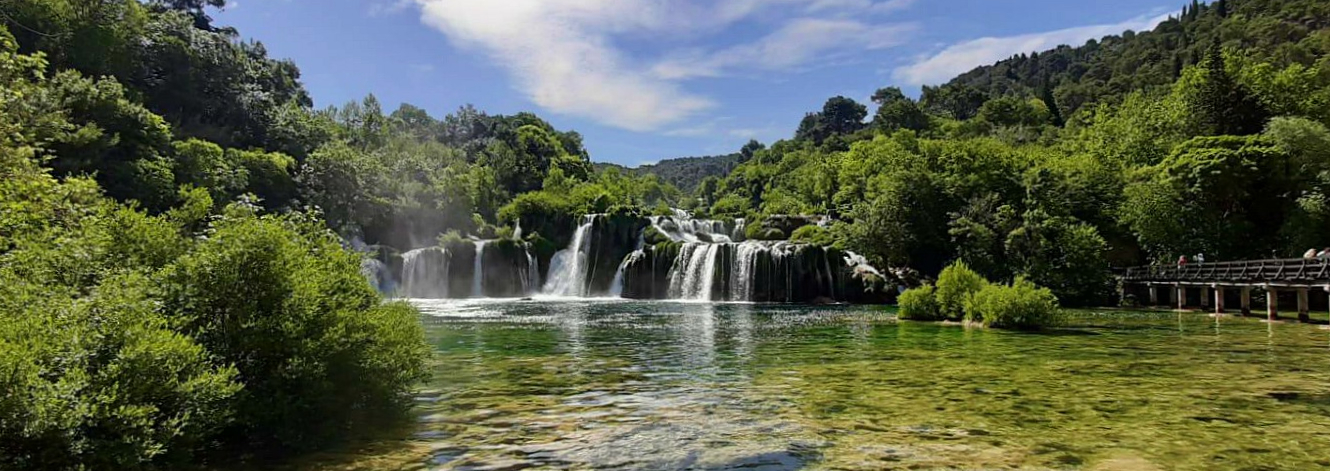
(685, 172)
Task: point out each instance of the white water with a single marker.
(533, 273)
(616, 286)
(681, 227)
(569, 267)
(425, 273)
(745, 264)
(693, 274)
(478, 271)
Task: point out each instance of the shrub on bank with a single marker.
(919, 304)
(1022, 305)
(955, 285)
(812, 234)
(315, 349)
(962, 293)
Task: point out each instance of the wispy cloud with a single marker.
(388, 7)
(565, 55)
(959, 58)
(797, 43)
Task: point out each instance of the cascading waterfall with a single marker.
(425, 273)
(693, 275)
(478, 271)
(569, 267)
(745, 266)
(532, 274)
(687, 259)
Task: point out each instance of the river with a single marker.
(612, 384)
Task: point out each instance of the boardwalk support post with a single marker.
(1219, 299)
(1182, 297)
(1154, 295)
(1205, 298)
(1303, 312)
(1246, 301)
(1272, 303)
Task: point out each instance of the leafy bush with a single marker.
(1023, 305)
(919, 304)
(314, 347)
(102, 382)
(955, 285)
(815, 235)
(553, 216)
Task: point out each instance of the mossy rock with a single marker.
(653, 236)
(764, 233)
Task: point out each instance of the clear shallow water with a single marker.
(602, 384)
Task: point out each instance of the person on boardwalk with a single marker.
(1182, 261)
(1311, 253)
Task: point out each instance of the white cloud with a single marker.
(960, 58)
(563, 55)
(859, 6)
(797, 43)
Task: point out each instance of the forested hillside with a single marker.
(1275, 32)
(1207, 135)
(685, 173)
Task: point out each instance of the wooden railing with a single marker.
(1295, 270)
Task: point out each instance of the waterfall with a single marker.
(517, 230)
(743, 273)
(616, 286)
(478, 271)
(683, 228)
(569, 267)
(693, 274)
(425, 273)
(740, 228)
(532, 273)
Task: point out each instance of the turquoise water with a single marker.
(636, 385)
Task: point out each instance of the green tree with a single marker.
(1219, 104)
(896, 111)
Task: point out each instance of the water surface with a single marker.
(607, 384)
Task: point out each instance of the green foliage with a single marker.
(758, 232)
(134, 341)
(1022, 305)
(955, 286)
(316, 349)
(897, 111)
(103, 382)
(920, 304)
(815, 235)
(1063, 254)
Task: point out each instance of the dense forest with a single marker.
(685, 173)
(1056, 166)
(147, 152)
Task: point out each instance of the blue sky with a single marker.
(644, 80)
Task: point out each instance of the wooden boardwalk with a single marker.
(1219, 281)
